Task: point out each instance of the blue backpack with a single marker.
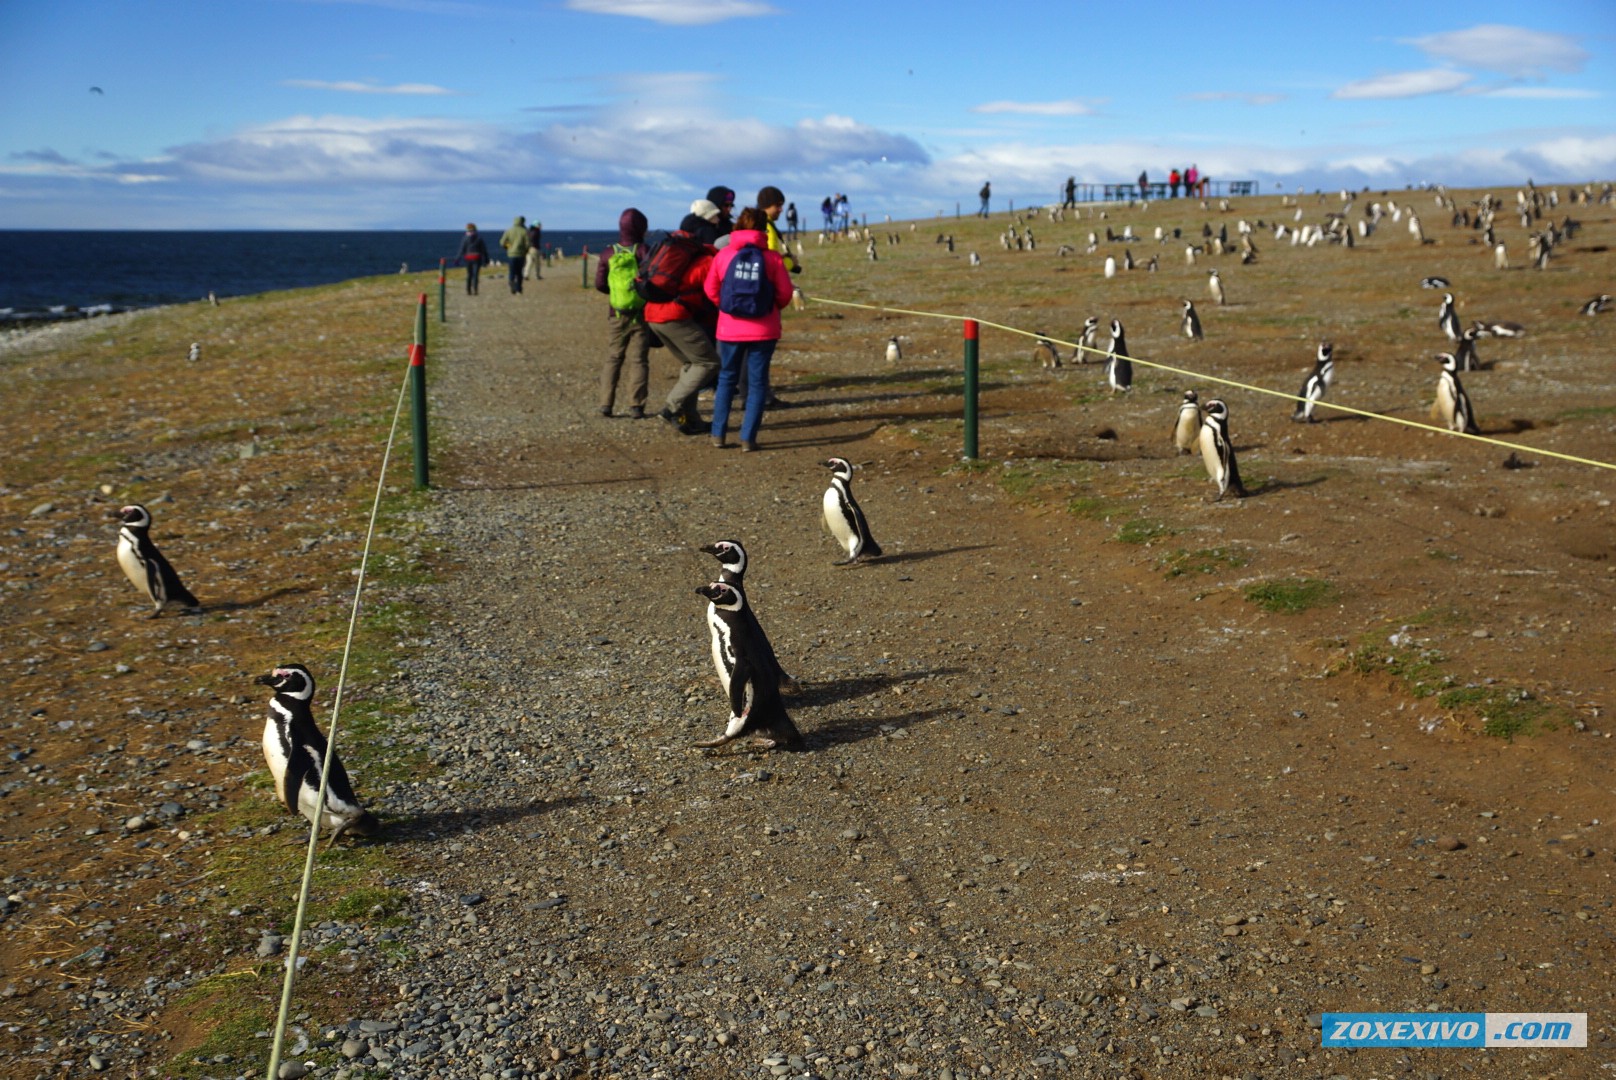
(746, 291)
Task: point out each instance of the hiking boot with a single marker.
(674, 419)
(637, 412)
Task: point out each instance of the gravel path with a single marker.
(1008, 852)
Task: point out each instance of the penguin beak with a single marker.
(265, 680)
(711, 549)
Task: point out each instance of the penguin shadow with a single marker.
(1272, 486)
(921, 556)
(876, 378)
(814, 695)
(857, 729)
(809, 440)
(257, 601)
(538, 485)
(1510, 427)
(422, 828)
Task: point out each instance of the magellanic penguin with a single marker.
(1214, 285)
(746, 668)
(1086, 342)
(1447, 318)
(1500, 329)
(1452, 404)
(844, 518)
(894, 351)
(1048, 355)
(1191, 322)
(1597, 305)
(295, 750)
(1465, 356)
(1217, 450)
(731, 558)
(1118, 365)
(1316, 384)
(1187, 425)
(145, 566)
(1434, 283)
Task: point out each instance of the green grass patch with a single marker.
(1505, 713)
(1204, 561)
(1289, 596)
(1090, 507)
(372, 904)
(1140, 531)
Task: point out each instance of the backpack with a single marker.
(621, 270)
(666, 266)
(746, 291)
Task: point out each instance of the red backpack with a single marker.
(666, 266)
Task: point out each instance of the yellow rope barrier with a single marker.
(1225, 382)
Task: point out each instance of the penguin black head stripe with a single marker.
(721, 594)
(730, 555)
(293, 680)
(840, 467)
(135, 516)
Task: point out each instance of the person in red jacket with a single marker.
(746, 339)
(686, 325)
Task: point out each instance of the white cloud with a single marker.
(1069, 107)
(1511, 50)
(675, 12)
(1403, 84)
(421, 89)
(1232, 95)
(1541, 93)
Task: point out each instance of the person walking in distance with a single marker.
(749, 284)
(627, 336)
(514, 241)
(985, 195)
(473, 252)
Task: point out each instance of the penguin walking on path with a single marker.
(731, 558)
(1217, 450)
(1187, 425)
(1316, 384)
(843, 516)
(1118, 366)
(748, 673)
(295, 750)
(1191, 322)
(145, 566)
(1452, 405)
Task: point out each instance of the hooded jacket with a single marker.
(694, 305)
(735, 327)
(514, 240)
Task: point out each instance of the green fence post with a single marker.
(585, 275)
(971, 332)
(418, 393)
(443, 289)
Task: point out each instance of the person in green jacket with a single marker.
(515, 243)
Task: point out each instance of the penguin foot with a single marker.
(792, 687)
(713, 744)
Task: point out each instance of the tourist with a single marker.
(746, 339)
(627, 336)
(514, 241)
(473, 252)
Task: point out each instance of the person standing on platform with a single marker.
(514, 241)
(473, 252)
(627, 336)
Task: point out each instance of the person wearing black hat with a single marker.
(723, 198)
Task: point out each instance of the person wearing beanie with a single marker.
(723, 198)
(685, 325)
(746, 339)
(771, 200)
(627, 336)
(702, 221)
(514, 241)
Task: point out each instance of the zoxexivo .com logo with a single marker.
(1455, 1029)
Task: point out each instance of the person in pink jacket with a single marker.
(749, 300)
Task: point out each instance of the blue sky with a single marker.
(428, 113)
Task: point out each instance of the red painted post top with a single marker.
(970, 329)
(417, 355)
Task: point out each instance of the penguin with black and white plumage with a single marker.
(1447, 317)
(195, 352)
(295, 750)
(731, 558)
(1465, 356)
(1499, 329)
(1434, 283)
(1217, 450)
(145, 566)
(1316, 384)
(1214, 285)
(747, 672)
(1452, 405)
(844, 517)
(1597, 305)
(1087, 342)
(1045, 350)
(976, 260)
(1191, 323)
(1118, 365)
(1187, 424)
(894, 351)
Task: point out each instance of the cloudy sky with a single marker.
(427, 113)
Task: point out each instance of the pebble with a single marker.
(1447, 843)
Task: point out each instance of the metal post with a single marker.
(443, 289)
(970, 388)
(586, 267)
(418, 393)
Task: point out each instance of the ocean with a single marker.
(58, 274)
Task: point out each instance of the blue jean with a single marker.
(731, 355)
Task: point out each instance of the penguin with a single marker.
(1466, 355)
(731, 558)
(1187, 425)
(1316, 384)
(1118, 364)
(1086, 341)
(195, 352)
(1500, 257)
(295, 750)
(1189, 255)
(1192, 322)
(746, 670)
(1214, 284)
(1217, 451)
(1110, 267)
(894, 351)
(843, 516)
(1500, 329)
(145, 566)
(1434, 283)
(976, 260)
(1447, 318)
(1597, 305)
(1048, 355)
(1452, 405)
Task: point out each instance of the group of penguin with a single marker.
(295, 748)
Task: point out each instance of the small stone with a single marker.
(97, 646)
(853, 1051)
(1428, 969)
(96, 1061)
(136, 823)
(1448, 843)
(42, 509)
(353, 1048)
(293, 1070)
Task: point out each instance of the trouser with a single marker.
(473, 270)
(735, 356)
(532, 270)
(517, 265)
(693, 347)
(626, 338)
